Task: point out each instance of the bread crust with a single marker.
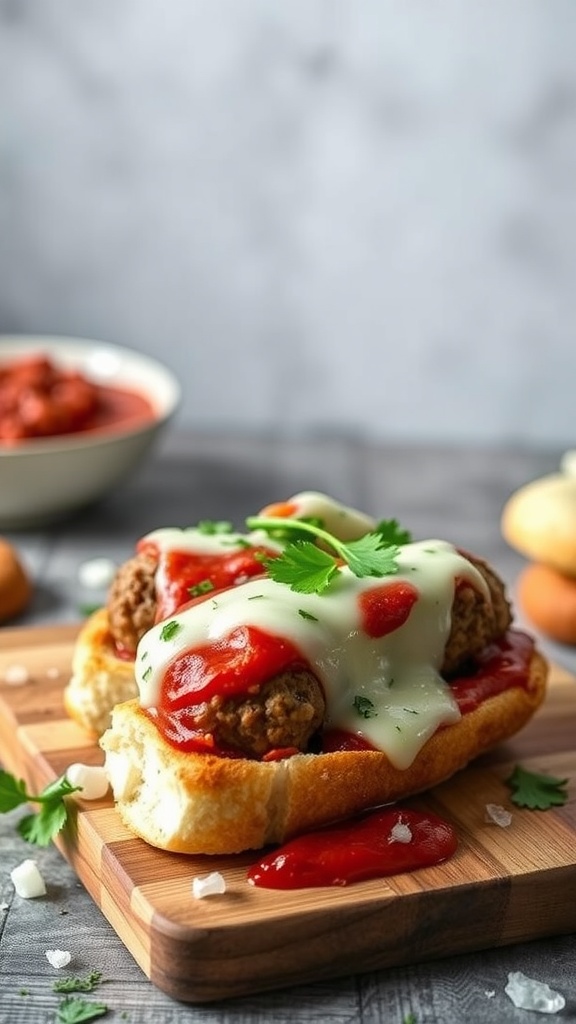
(100, 679)
(539, 521)
(548, 599)
(15, 585)
(203, 804)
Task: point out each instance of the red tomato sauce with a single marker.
(386, 607)
(38, 399)
(357, 850)
(246, 658)
(218, 669)
(181, 572)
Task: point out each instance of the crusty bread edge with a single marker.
(202, 804)
(99, 679)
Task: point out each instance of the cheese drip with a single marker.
(341, 521)
(398, 674)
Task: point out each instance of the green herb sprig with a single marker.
(535, 791)
(86, 984)
(74, 1010)
(309, 569)
(43, 825)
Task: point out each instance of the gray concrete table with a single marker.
(455, 493)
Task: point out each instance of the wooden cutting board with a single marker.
(504, 885)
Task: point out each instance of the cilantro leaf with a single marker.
(370, 556)
(212, 528)
(391, 531)
(42, 826)
(204, 587)
(535, 791)
(309, 569)
(304, 567)
(170, 630)
(12, 792)
(72, 1010)
(86, 984)
(364, 706)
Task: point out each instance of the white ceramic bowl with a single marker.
(46, 478)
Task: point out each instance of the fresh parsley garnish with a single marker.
(307, 615)
(391, 530)
(43, 825)
(303, 567)
(309, 569)
(212, 527)
(87, 984)
(72, 1010)
(170, 630)
(535, 791)
(364, 706)
(204, 587)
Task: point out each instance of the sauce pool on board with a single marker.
(388, 841)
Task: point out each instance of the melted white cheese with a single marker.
(194, 541)
(338, 519)
(397, 673)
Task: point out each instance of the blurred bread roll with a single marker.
(548, 599)
(539, 521)
(15, 585)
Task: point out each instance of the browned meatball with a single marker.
(132, 601)
(286, 712)
(475, 621)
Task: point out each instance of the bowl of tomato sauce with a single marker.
(77, 419)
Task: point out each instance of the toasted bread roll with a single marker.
(539, 521)
(200, 803)
(15, 585)
(548, 599)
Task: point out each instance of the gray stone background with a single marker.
(323, 215)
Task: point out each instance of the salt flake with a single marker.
(400, 833)
(58, 958)
(497, 815)
(27, 880)
(97, 573)
(208, 885)
(16, 675)
(529, 994)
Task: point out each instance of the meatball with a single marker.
(475, 621)
(285, 712)
(132, 601)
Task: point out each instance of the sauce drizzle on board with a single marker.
(386, 842)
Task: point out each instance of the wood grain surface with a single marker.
(512, 882)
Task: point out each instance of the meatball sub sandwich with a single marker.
(169, 567)
(346, 675)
